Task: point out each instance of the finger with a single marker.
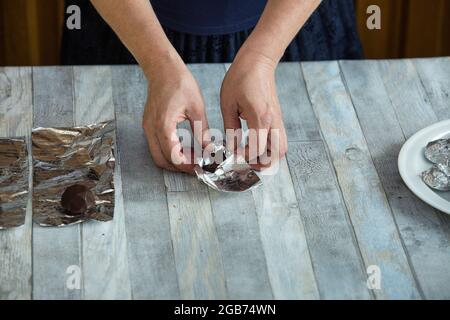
(256, 163)
(199, 125)
(155, 150)
(276, 146)
(277, 140)
(232, 125)
(172, 149)
(259, 126)
(259, 167)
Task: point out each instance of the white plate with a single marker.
(412, 162)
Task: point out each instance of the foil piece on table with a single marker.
(438, 152)
(225, 171)
(438, 177)
(13, 182)
(65, 157)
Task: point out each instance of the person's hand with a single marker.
(173, 96)
(249, 92)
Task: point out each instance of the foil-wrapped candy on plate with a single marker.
(73, 175)
(438, 153)
(13, 182)
(225, 171)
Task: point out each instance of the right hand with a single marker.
(173, 96)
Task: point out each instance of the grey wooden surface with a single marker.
(336, 207)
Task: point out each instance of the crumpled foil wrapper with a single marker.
(225, 171)
(13, 182)
(63, 157)
(438, 177)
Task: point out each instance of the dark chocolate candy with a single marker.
(77, 199)
(211, 167)
(216, 162)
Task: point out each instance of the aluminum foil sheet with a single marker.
(226, 172)
(65, 159)
(438, 153)
(13, 182)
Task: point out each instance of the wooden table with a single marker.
(336, 209)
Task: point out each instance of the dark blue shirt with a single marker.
(208, 17)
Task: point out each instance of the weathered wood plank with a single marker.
(342, 279)
(298, 116)
(364, 196)
(407, 95)
(179, 182)
(105, 242)
(240, 245)
(16, 114)
(283, 237)
(337, 263)
(150, 254)
(53, 96)
(435, 77)
(196, 247)
(234, 214)
(54, 249)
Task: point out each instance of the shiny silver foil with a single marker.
(438, 177)
(438, 152)
(13, 182)
(63, 157)
(226, 172)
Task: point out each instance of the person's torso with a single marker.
(207, 17)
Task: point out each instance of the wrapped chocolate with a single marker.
(438, 177)
(73, 174)
(226, 172)
(13, 182)
(438, 152)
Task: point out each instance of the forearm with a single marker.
(278, 25)
(137, 26)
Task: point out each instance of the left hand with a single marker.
(249, 92)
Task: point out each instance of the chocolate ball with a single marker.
(213, 166)
(77, 199)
